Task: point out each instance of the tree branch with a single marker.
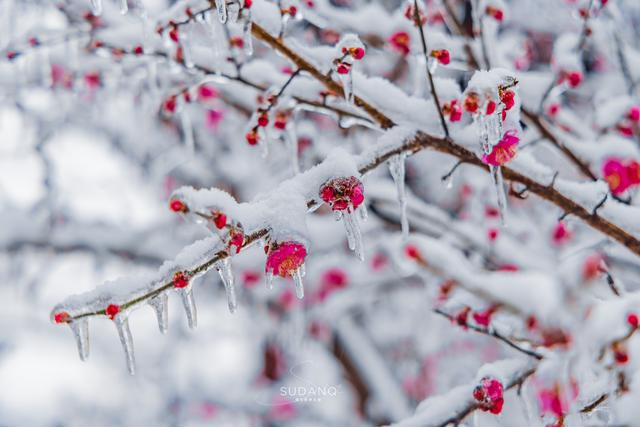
(425, 52)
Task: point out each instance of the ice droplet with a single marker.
(160, 305)
(246, 33)
(124, 6)
(354, 236)
(80, 329)
(226, 275)
(189, 303)
(397, 170)
(221, 8)
(122, 325)
(297, 278)
(347, 85)
(269, 280)
(96, 7)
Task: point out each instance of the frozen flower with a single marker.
(615, 172)
(503, 151)
(453, 110)
(206, 92)
(343, 193)
(561, 233)
(489, 395)
(283, 259)
(495, 13)
(401, 42)
(442, 55)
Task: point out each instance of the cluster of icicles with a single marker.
(498, 147)
(285, 258)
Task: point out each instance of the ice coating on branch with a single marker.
(397, 171)
(121, 321)
(160, 305)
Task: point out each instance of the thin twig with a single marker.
(425, 52)
(495, 334)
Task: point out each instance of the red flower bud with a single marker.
(471, 103)
(219, 219)
(491, 107)
(263, 120)
(252, 137)
(112, 310)
(632, 320)
(178, 206)
(343, 68)
(357, 52)
(173, 34)
(494, 12)
(170, 104)
(61, 317)
(138, 50)
(442, 56)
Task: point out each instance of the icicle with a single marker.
(354, 236)
(186, 47)
(218, 38)
(160, 304)
(269, 279)
(490, 131)
(124, 6)
(226, 274)
(122, 324)
(347, 85)
(189, 304)
(80, 329)
(233, 11)
(397, 170)
(187, 130)
(362, 210)
(221, 8)
(297, 278)
(96, 7)
(498, 182)
(246, 33)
